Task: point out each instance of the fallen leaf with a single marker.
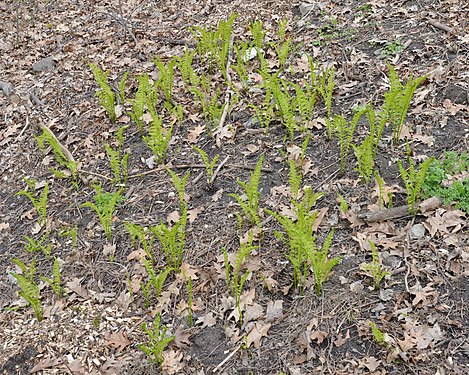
(192, 214)
(371, 363)
(208, 320)
(181, 338)
(172, 362)
(45, 364)
(117, 340)
(340, 340)
(274, 310)
(254, 337)
(319, 336)
(173, 217)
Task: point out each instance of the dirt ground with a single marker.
(96, 326)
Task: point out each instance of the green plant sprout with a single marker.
(391, 49)
(190, 296)
(33, 245)
(55, 282)
(344, 132)
(397, 100)
(294, 178)
(284, 47)
(105, 94)
(105, 206)
(39, 203)
(365, 158)
(236, 280)
(72, 233)
(450, 164)
(143, 235)
(258, 34)
(209, 165)
(378, 335)
(184, 65)
(375, 268)
(29, 288)
(121, 87)
(154, 280)
(117, 159)
(157, 341)
(321, 263)
(48, 138)
(165, 79)
(305, 101)
(380, 183)
(414, 180)
(215, 44)
(326, 86)
(172, 240)
(249, 200)
(343, 205)
(242, 53)
(146, 93)
(158, 138)
(300, 239)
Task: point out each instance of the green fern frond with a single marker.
(105, 94)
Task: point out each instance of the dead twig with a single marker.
(227, 358)
(440, 26)
(214, 176)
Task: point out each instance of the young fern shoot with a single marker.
(105, 94)
(209, 165)
(249, 201)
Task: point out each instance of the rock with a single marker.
(44, 65)
(417, 232)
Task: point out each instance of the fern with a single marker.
(375, 268)
(29, 288)
(122, 82)
(105, 206)
(40, 204)
(55, 283)
(105, 94)
(33, 245)
(165, 77)
(325, 87)
(158, 341)
(184, 64)
(155, 281)
(365, 160)
(172, 240)
(321, 263)
(414, 180)
(138, 104)
(180, 185)
(294, 178)
(258, 34)
(300, 239)
(47, 138)
(141, 234)
(158, 138)
(250, 203)
(397, 100)
(209, 165)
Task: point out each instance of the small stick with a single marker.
(217, 170)
(227, 358)
(440, 26)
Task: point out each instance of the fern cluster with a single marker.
(414, 180)
(29, 288)
(209, 164)
(105, 204)
(105, 94)
(117, 158)
(375, 268)
(157, 341)
(249, 201)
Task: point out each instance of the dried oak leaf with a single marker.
(181, 338)
(259, 330)
(274, 310)
(172, 363)
(117, 340)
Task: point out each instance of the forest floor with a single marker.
(94, 324)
